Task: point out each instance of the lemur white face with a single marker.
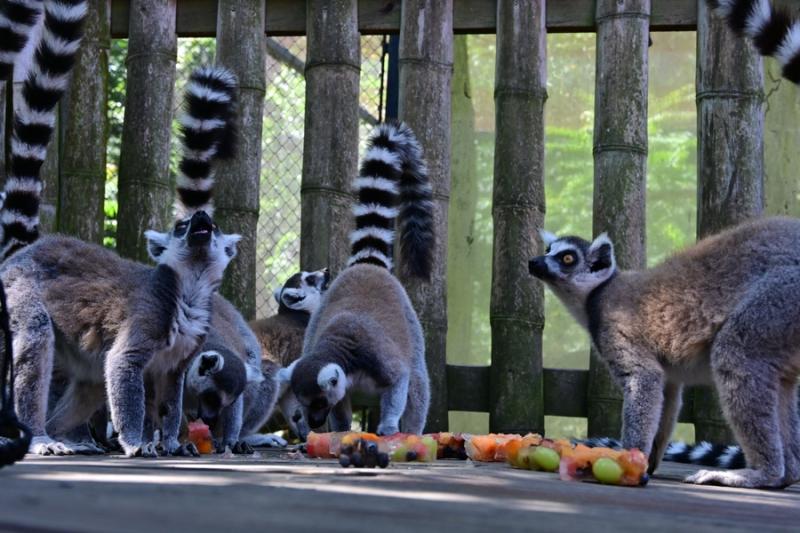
(317, 389)
(214, 380)
(572, 267)
(303, 291)
(332, 382)
(194, 243)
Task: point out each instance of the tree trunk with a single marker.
(781, 139)
(145, 187)
(330, 146)
(426, 69)
(518, 206)
(620, 166)
(85, 125)
(730, 156)
(241, 47)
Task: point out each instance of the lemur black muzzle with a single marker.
(538, 267)
(200, 229)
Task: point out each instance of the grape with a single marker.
(411, 455)
(545, 459)
(356, 459)
(607, 471)
(383, 460)
(344, 460)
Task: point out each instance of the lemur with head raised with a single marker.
(120, 319)
(281, 341)
(703, 316)
(366, 335)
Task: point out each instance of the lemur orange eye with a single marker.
(568, 259)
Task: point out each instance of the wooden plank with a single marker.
(730, 155)
(517, 305)
(145, 188)
(426, 69)
(620, 165)
(197, 18)
(330, 149)
(241, 48)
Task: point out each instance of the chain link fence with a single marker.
(278, 252)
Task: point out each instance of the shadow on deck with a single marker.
(44, 494)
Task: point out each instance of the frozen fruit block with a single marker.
(200, 436)
(343, 443)
(405, 447)
(451, 445)
(319, 445)
(617, 467)
(495, 446)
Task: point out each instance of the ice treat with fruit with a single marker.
(200, 436)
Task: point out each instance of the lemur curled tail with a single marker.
(34, 120)
(773, 30)
(366, 334)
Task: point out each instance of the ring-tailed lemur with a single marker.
(281, 340)
(120, 318)
(724, 311)
(366, 334)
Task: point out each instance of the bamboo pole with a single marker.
(730, 156)
(241, 48)
(85, 132)
(518, 206)
(620, 165)
(330, 147)
(781, 139)
(145, 187)
(426, 68)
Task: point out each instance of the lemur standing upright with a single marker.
(119, 318)
(281, 340)
(366, 334)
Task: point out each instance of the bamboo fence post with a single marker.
(85, 132)
(781, 139)
(518, 207)
(330, 146)
(5, 126)
(426, 69)
(145, 186)
(730, 156)
(620, 166)
(241, 47)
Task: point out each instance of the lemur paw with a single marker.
(44, 445)
(387, 429)
(185, 450)
(265, 440)
(744, 478)
(147, 449)
(242, 448)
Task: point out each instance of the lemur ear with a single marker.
(600, 254)
(547, 237)
(156, 243)
(254, 375)
(210, 363)
(285, 374)
(229, 244)
(326, 278)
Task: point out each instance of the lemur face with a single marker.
(572, 264)
(318, 390)
(303, 291)
(215, 379)
(193, 241)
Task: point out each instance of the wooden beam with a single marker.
(197, 18)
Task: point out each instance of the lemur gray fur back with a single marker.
(724, 311)
(366, 334)
(117, 319)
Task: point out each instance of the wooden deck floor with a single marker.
(275, 493)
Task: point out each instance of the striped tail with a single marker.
(774, 31)
(703, 453)
(209, 133)
(17, 19)
(393, 184)
(34, 120)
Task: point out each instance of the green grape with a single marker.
(545, 459)
(607, 471)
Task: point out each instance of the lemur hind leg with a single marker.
(419, 396)
(393, 405)
(748, 357)
(33, 345)
(790, 430)
(76, 406)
